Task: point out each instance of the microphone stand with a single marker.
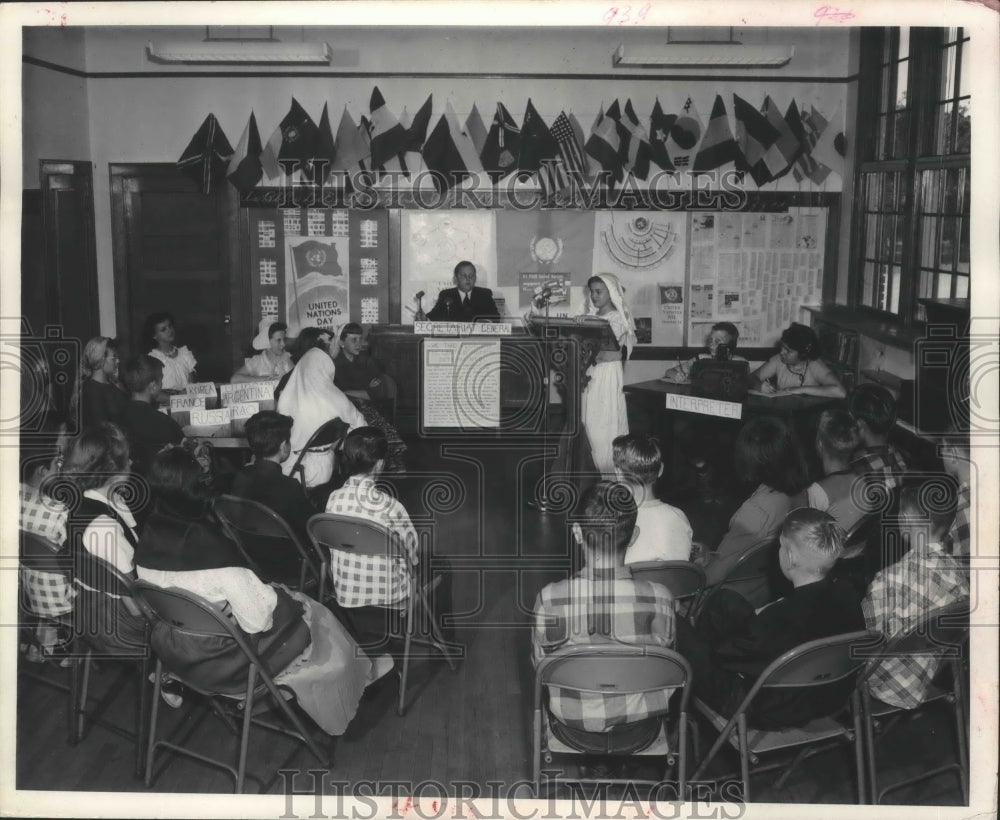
(540, 502)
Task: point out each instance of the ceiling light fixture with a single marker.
(243, 52)
(702, 55)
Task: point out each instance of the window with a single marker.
(912, 226)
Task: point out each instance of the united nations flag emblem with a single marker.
(316, 257)
(545, 249)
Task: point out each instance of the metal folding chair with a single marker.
(275, 551)
(329, 531)
(329, 434)
(187, 614)
(943, 634)
(683, 579)
(815, 663)
(755, 566)
(613, 669)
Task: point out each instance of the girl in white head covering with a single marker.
(312, 399)
(603, 404)
(273, 361)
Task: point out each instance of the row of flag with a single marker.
(766, 143)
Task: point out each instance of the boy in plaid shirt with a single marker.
(924, 579)
(48, 591)
(602, 604)
(956, 456)
(874, 409)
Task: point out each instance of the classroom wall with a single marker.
(56, 113)
(151, 119)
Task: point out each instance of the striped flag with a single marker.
(502, 146)
(540, 153)
(245, 169)
(387, 135)
(475, 129)
(813, 124)
(589, 166)
(464, 144)
(754, 135)
(781, 156)
(603, 142)
(207, 156)
(573, 158)
(633, 147)
(718, 147)
(659, 130)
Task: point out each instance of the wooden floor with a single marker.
(470, 725)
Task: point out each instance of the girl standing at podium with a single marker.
(603, 404)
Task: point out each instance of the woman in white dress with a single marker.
(273, 361)
(311, 398)
(179, 363)
(603, 404)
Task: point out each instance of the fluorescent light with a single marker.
(702, 55)
(239, 52)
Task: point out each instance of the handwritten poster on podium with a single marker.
(461, 383)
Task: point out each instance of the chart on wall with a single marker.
(755, 270)
(319, 266)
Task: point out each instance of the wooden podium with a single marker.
(570, 347)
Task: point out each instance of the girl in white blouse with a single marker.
(273, 361)
(179, 363)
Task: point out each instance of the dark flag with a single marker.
(207, 156)
(476, 130)
(299, 135)
(442, 156)
(326, 148)
(416, 135)
(717, 147)
(245, 169)
(503, 145)
(755, 135)
(540, 152)
(659, 129)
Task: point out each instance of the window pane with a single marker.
(871, 235)
(897, 249)
(942, 128)
(965, 80)
(947, 88)
(887, 238)
(951, 193)
(887, 80)
(901, 84)
(866, 293)
(946, 254)
(928, 241)
(873, 189)
(900, 134)
(963, 184)
(889, 192)
(963, 248)
(943, 286)
(894, 305)
(961, 287)
(904, 43)
(926, 280)
(963, 141)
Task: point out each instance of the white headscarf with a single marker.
(262, 341)
(312, 399)
(617, 293)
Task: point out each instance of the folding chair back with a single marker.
(185, 614)
(269, 542)
(755, 566)
(683, 579)
(613, 669)
(861, 535)
(941, 633)
(820, 662)
(328, 434)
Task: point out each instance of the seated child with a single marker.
(731, 644)
(603, 592)
(874, 409)
(49, 592)
(357, 369)
(269, 435)
(662, 531)
(837, 438)
(147, 428)
(720, 344)
(901, 595)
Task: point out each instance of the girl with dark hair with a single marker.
(767, 457)
(797, 369)
(179, 363)
(98, 394)
(185, 546)
(273, 361)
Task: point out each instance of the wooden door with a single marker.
(176, 250)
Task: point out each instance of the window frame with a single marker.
(924, 70)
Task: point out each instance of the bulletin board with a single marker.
(319, 266)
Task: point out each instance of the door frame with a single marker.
(239, 286)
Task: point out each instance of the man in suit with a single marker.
(464, 302)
